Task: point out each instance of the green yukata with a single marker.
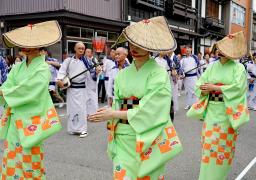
(142, 146)
(29, 111)
(223, 114)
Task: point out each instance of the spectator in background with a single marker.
(120, 63)
(10, 62)
(200, 57)
(187, 63)
(19, 57)
(3, 76)
(54, 65)
(205, 62)
(214, 56)
(180, 80)
(92, 82)
(64, 56)
(108, 65)
(77, 93)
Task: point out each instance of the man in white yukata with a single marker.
(187, 63)
(251, 69)
(120, 63)
(108, 65)
(76, 93)
(92, 83)
(175, 73)
(180, 80)
(166, 61)
(54, 65)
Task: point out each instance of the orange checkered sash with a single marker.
(125, 104)
(129, 103)
(216, 95)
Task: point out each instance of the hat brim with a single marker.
(10, 42)
(125, 38)
(232, 46)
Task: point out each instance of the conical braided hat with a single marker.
(232, 46)
(153, 35)
(34, 35)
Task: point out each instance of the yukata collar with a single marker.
(126, 64)
(109, 58)
(145, 66)
(35, 62)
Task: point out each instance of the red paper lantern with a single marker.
(99, 44)
(183, 51)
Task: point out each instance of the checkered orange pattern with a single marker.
(37, 122)
(20, 163)
(218, 144)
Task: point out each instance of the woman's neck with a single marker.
(140, 62)
(223, 60)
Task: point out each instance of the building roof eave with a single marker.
(63, 14)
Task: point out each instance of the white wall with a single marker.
(254, 5)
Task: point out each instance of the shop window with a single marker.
(87, 33)
(186, 2)
(212, 9)
(238, 14)
(73, 31)
(102, 34)
(112, 36)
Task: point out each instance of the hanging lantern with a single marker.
(99, 44)
(183, 51)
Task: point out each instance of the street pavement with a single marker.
(68, 157)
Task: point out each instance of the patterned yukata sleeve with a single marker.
(28, 90)
(198, 109)
(235, 98)
(150, 117)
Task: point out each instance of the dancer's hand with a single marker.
(102, 114)
(210, 87)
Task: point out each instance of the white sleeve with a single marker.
(63, 69)
(182, 64)
(253, 69)
(104, 65)
(110, 87)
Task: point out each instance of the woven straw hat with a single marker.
(153, 35)
(232, 46)
(33, 36)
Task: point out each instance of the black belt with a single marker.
(106, 78)
(190, 75)
(252, 75)
(77, 85)
(216, 97)
(123, 121)
(128, 103)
